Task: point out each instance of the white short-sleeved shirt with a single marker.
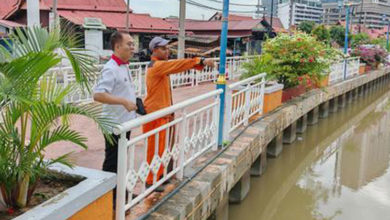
(116, 80)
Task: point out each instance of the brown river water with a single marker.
(338, 169)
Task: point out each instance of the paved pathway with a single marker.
(94, 155)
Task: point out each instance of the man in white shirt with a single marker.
(116, 91)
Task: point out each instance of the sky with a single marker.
(165, 8)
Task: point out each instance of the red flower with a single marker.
(10, 211)
(311, 60)
(299, 39)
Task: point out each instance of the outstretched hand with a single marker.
(209, 62)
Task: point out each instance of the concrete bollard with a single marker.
(260, 164)
(333, 105)
(239, 191)
(324, 110)
(312, 116)
(302, 124)
(342, 102)
(276, 146)
(290, 133)
(222, 211)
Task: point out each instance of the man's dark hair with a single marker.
(116, 38)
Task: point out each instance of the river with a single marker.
(337, 169)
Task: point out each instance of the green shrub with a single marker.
(322, 34)
(306, 26)
(359, 39)
(289, 58)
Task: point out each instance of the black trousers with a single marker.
(110, 163)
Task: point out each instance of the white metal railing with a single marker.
(198, 134)
(138, 70)
(193, 78)
(244, 99)
(353, 65)
(344, 69)
(336, 72)
(66, 76)
(183, 79)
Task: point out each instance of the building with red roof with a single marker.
(111, 13)
(244, 33)
(276, 23)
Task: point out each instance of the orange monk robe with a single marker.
(159, 96)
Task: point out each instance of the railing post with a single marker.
(216, 121)
(345, 69)
(140, 84)
(358, 66)
(262, 90)
(247, 104)
(228, 112)
(144, 75)
(231, 71)
(182, 140)
(194, 79)
(121, 177)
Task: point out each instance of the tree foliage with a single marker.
(360, 39)
(337, 34)
(306, 26)
(322, 34)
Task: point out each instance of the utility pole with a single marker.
(127, 16)
(360, 17)
(272, 13)
(55, 14)
(221, 81)
(387, 36)
(348, 6)
(182, 32)
(340, 4)
(346, 28)
(290, 16)
(386, 22)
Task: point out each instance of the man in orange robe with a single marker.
(159, 94)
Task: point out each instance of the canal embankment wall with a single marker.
(227, 178)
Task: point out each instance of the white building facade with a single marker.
(298, 11)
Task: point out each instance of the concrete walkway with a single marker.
(93, 157)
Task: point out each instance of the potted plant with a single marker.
(371, 55)
(33, 112)
(362, 68)
(273, 90)
(299, 62)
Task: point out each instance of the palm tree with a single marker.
(33, 114)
